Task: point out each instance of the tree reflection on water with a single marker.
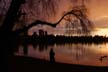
(86, 54)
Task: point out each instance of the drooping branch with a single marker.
(38, 10)
(41, 8)
(77, 13)
(42, 23)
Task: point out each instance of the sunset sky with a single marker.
(97, 13)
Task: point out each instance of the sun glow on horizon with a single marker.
(101, 17)
(100, 32)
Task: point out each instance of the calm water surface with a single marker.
(84, 54)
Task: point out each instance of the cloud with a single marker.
(101, 23)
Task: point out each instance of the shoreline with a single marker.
(29, 64)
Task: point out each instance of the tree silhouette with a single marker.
(86, 24)
(39, 9)
(42, 9)
(9, 37)
(80, 12)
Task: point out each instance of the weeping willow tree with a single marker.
(36, 10)
(80, 23)
(42, 9)
(46, 6)
(76, 19)
(8, 37)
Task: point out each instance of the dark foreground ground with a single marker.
(28, 64)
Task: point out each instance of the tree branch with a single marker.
(72, 12)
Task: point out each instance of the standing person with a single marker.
(52, 54)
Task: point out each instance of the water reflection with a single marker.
(86, 54)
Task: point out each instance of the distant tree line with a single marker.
(51, 39)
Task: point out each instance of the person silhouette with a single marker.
(52, 54)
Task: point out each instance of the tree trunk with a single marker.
(7, 36)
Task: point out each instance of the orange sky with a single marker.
(98, 11)
(98, 14)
